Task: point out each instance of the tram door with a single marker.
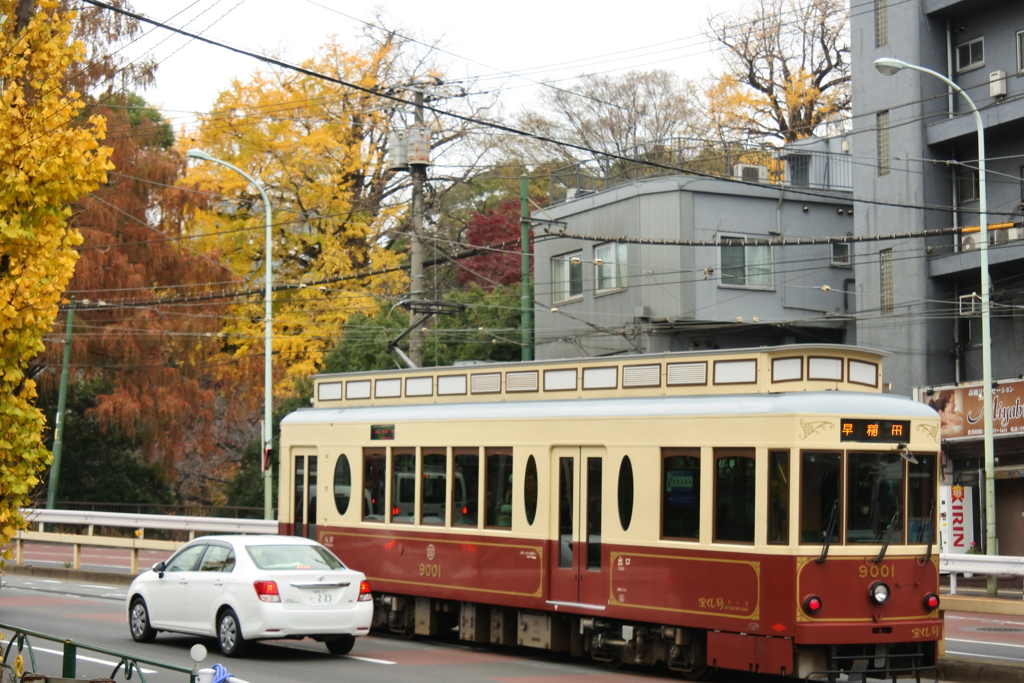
(577, 566)
(304, 498)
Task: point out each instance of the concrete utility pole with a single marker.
(526, 300)
(418, 169)
(58, 429)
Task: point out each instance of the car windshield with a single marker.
(293, 557)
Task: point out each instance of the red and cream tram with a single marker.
(760, 509)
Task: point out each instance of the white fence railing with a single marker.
(139, 522)
(956, 564)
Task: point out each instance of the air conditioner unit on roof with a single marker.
(751, 173)
(968, 242)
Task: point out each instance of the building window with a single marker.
(841, 254)
(885, 258)
(881, 23)
(968, 185)
(884, 153)
(1020, 51)
(746, 263)
(567, 276)
(610, 266)
(970, 55)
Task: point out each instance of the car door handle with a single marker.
(218, 583)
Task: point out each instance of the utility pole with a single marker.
(58, 429)
(418, 168)
(526, 300)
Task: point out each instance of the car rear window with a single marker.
(274, 557)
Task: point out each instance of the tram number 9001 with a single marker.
(885, 571)
(431, 570)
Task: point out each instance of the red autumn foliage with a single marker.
(155, 334)
(499, 229)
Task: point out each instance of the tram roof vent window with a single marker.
(560, 380)
(388, 388)
(522, 381)
(451, 385)
(641, 376)
(600, 378)
(419, 386)
(328, 391)
(357, 389)
(687, 373)
(489, 383)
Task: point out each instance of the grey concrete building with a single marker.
(915, 168)
(915, 154)
(663, 290)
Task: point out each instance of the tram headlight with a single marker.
(812, 604)
(931, 601)
(879, 593)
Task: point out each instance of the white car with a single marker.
(244, 588)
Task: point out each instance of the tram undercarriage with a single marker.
(617, 643)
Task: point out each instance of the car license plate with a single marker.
(320, 596)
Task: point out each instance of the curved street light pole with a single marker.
(888, 66)
(268, 382)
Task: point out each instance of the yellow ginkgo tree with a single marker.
(48, 159)
(318, 149)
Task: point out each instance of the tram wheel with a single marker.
(614, 664)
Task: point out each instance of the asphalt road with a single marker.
(95, 614)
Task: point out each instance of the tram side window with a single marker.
(778, 497)
(874, 496)
(434, 497)
(403, 485)
(680, 501)
(819, 497)
(734, 495)
(374, 480)
(921, 500)
(342, 484)
(467, 468)
(499, 487)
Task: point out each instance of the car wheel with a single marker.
(229, 635)
(341, 645)
(138, 622)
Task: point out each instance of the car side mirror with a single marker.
(159, 569)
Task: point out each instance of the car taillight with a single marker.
(267, 591)
(931, 601)
(812, 604)
(364, 591)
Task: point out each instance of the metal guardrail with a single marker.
(20, 642)
(956, 564)
(139, 522)
(223, 525)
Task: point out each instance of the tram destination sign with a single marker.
(382, 432)
(874, 431)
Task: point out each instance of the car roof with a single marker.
(245, 540)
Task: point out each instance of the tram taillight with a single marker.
(812, 604)
(879, 593)
(931, 601)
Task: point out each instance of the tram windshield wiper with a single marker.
(888, 536)
(931, 539)
(833, 518)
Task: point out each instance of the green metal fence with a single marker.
(19, 646)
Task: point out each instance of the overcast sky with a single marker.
(540, 41)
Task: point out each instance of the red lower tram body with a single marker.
(692, 609)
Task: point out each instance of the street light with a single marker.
(268, 385)
(889, 66)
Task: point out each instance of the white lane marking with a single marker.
(986, 642)
(971, 654)
(49, 581)
(369, 659)
(82, 657)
